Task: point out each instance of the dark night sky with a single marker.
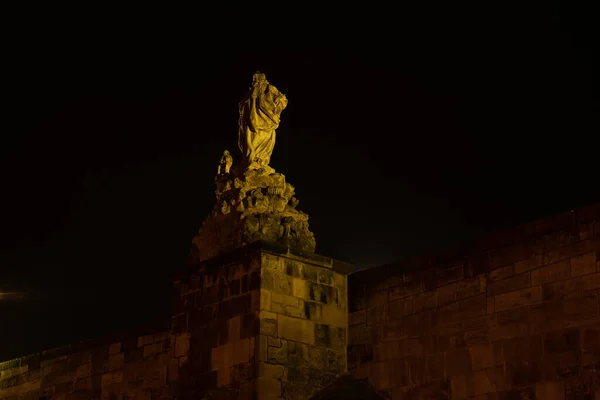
(405, 132)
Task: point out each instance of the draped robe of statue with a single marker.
(260, 113)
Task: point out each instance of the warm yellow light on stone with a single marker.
(254, 202)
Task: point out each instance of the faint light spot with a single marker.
(12, 296)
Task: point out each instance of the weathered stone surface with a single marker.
(253, 201)
(271, 325)
(256, 205)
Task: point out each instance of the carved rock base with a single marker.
(256, 205)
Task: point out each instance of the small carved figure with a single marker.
(226, 161)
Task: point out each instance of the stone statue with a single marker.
(253, 201)
(260, 113)
(226, 161)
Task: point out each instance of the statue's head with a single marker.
(259, 77)
(226, 153)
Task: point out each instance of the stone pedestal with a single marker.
(253, 205)
(263, 322)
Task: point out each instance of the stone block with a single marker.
(340, 280)
(250, 325)
(555, 240)
(255, 301)
(573, 250)
(460, 360)
(511, 254)
(270, 371)
(515, 282)
(273, 262)
(261, 349)
(265, 300)
(524, 373)
(223, 376)
(241, 351)
(278, 355)
(322, 293)
(268, 323)
(557, 291)
(276, 282)
(235, 328)
(284, 300)
(222, 356)
(490, 305)
(397, 309)
(590, 338)
(425, 300)
(528, 264)
(554, 390)
(407, 289)
(334, 362)
(447, 294)
(313, 311)
(182, 344)
(471, 286)
(462, 386)
(518, 298)
(83, 370)
(376, 315)
(116, 361)
(325, 277)
(359, 317)
(561, 365)
(114, 348)
(240, 305)
(485, 356)
(581, 311)
(482, 383)
(467, 308)
(329, 336)
(584, 264)
(54, 367)
(294, 268)
(499, 377)
(16, 370)
(550, 273)
(358, 334)
(296, 312)
(298, 354)
(446, 275)
(300, 288)
(591, 282)
(335, 316)
(107, 379)
(519, 349)
(545, 317)
(317, 357)
(296, 329)
(502, 273)
(221, 329)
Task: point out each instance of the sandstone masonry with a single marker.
(513, 316)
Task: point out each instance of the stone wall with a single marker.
(133, 365)
(514, 316)
(259, 323)
(215, 323)
(303, 325)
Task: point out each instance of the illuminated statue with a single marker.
(226, 161)
(260, 113)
